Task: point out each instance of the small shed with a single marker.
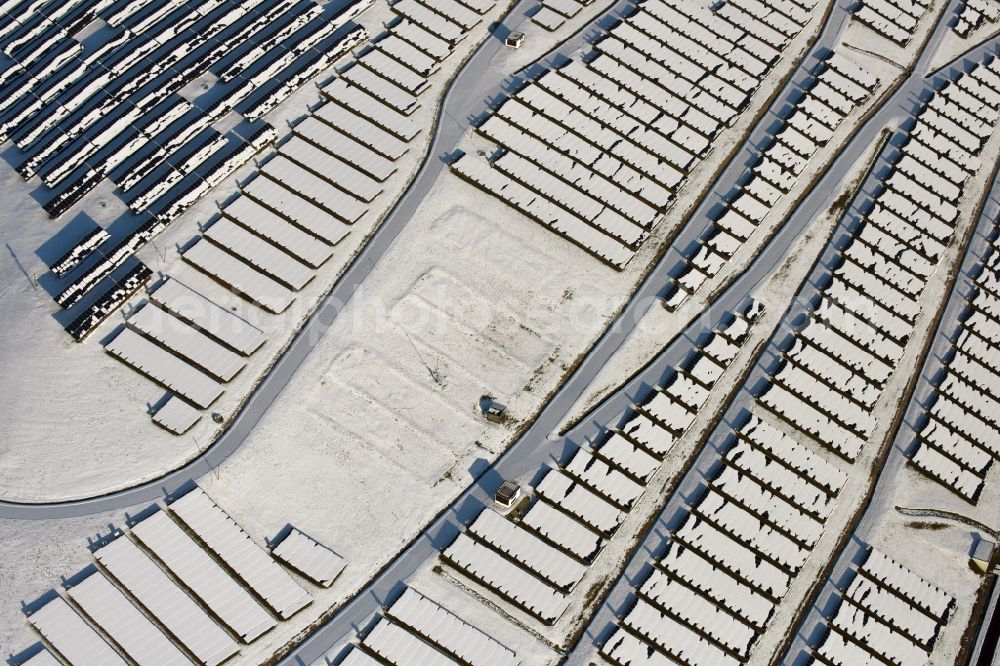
(495, 412)
(491, 409)
(982, 554)
(508, 494)
(515, 39)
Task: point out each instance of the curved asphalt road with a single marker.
(478, 83)
(465, 99)
(539, 447)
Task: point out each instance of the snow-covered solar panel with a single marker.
(456, 12)
(778, 512)
(240, 276)
(704, 370)
(542, 210)
(568, 8)
(838, 650)
(338, 172)
(603, 478)
(623, 647)
(853, 385)
(209, 317)
(958, 447)
(629, 457)
(889, 573)
(71, 636)
(442, 628)
(892, 609)
(407, 54)
(240, 553)
(396, 645)
(834, 319)
(625, 169)
(564, 531)
(779, 478)
(682, 389)
(721, 349)
(674, 637)
(651, 435)
(701, 615)
(548, 18)
(575, 498)
(358, 154)
(260, 254)
(176, 415)
(945, 470)
(309, 557)
(202, 575)
(314, 189)
(163, 367)
(736, 224)
(670, 412)
(500, 130)
(361, 129)
(479, 6)
(299, 211)
(508, 579)
(139, 638)
(735, 519)
(382, 89)
(171, 607)
(701, 574)
(981, 383)
(75, 255)
(955, 416)
(186, 341)
(392, 69)
(265, 223)
(358, 657)
(436, 23)
(111, 298)
(547, 562)
(880, 638)
(801, 413)
(420, 37)
(726, 551)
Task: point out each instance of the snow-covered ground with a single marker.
(937, 549)
(954, 45)
(68, 397)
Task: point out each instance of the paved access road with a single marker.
(481, 76)
(538, 447)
